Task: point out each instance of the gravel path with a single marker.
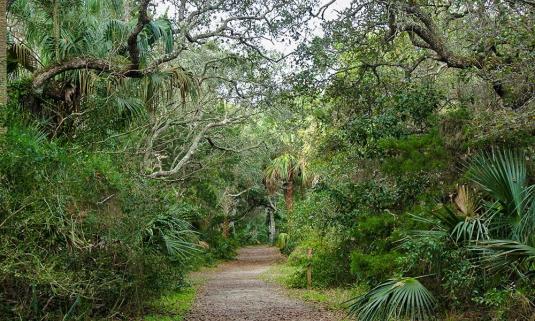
(233, 292)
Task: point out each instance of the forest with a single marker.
(386, 148)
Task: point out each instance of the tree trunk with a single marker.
(289, 195)
(3, 53)
(272, 229)
(226, 227)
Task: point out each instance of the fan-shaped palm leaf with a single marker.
(503, 175)
(161, 30)
(470, 229)
(284, 168)
(116, 31)
(171, 235)
(503, 255)
(466, 202)
(281, 170)
(131, 106)
(459, 228)
(403, 298)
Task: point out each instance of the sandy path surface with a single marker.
(233, 292)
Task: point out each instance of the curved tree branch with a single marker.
(194, 145)
(44, 75)
(432, 39)
(133, 70)
(133, 49)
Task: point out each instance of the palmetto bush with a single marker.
(395, 299)
(502, 175)
(497, 225)
(170, 235)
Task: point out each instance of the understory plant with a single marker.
(394, 299)
(492, 226)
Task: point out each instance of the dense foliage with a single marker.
(143, 139)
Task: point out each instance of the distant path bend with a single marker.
(234, 293)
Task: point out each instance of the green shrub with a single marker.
(76, 231)
(220, 247)
(282, 241)
(414, 153)
(329, 262)
(373, 196)
(374, 267)
(417, 102)
(372, 228)
(252, 231)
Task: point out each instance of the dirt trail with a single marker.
(234, 293)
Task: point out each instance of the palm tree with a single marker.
(69, 52)
(286, 171)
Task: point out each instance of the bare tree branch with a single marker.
(179, 163)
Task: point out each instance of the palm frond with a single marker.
(448, 218)
(471, 229)
(459, 228)
(466, 202)
(184, 81)
(161, 29)
(20, 55)
(403, 298)
(280, 170)
(527, 222)
(130, 106)
(511, 255)
(171, 235)
(284, 168)
(304, 175)
(116, 31)
(502, 174)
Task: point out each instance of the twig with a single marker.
(105, 199)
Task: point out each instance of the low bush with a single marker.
(221, 247)
(329, 262)
(375, 267)
(79, 234)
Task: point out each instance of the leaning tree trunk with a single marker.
(272, 229)
(3, 53)
(289, 195)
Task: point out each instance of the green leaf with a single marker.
(394, 299)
